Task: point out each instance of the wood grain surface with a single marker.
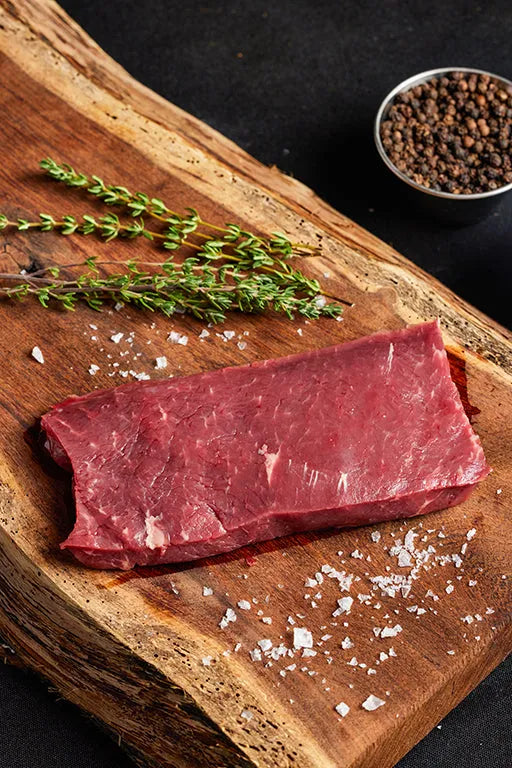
(143, 651)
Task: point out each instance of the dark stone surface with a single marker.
(297, 83)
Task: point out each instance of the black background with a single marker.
(297, 84)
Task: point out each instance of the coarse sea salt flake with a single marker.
(347, 643)
(207, 591)
(160, 363)
(449, 589)
(37, 355)
(204, 334)
(265, 644)
(116, 337)
(246, 714)
(372, 703)
(228, 617)
(244, 605)
(470, 534)
(345, 604)
(207, 660)
(302, 638)
(391, 631)
(93, 369)
(404, 559)
(342, 709)
(177, 338)
(375, 536)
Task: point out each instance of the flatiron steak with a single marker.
(178, 469)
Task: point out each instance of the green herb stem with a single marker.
(206, 291)
(140, 203)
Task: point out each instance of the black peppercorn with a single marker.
(453, 133)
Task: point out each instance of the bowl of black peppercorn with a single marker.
(447, 134)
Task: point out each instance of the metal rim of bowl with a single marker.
(406, 85)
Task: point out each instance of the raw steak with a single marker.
(178, 469)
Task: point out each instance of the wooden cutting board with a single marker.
(143, 650)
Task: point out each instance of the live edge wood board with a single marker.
(133, 649)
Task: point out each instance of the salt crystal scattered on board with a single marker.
(302, 638)
(207, 660)
(228, 617)
(116, 337)
(345, 604)
(342, 709)
(375, 536)
(391, 631)
(372, 703)
(246, 714)
(160, 363)
(37, 355)
(93, 369)
(244, 605)
(177, 338)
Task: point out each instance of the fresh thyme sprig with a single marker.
(108, 226)
(179, 227)
(204, 290)
(232, 269)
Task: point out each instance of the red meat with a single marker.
(178, 469)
